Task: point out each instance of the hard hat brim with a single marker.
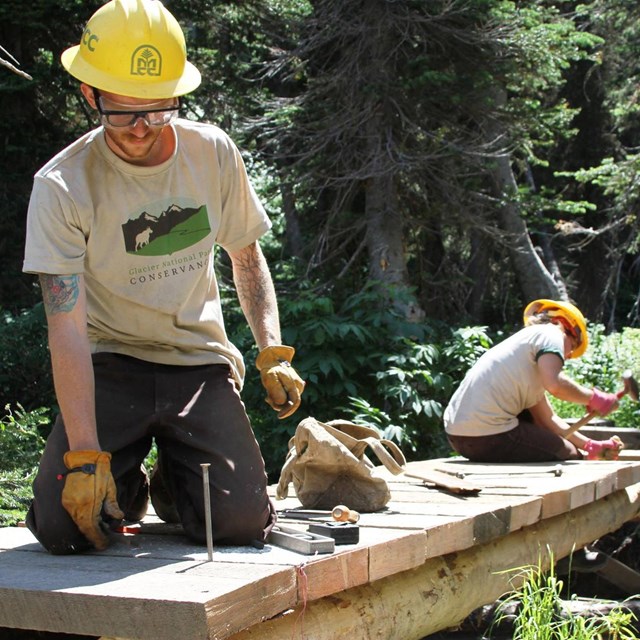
(79, 69)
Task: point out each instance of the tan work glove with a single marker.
(87, 488)
(283, 384)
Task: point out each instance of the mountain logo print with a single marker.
(174, 229)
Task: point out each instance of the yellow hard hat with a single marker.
(133, 48)
(571, 314)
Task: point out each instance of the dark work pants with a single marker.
(527, 442)
(196, 416)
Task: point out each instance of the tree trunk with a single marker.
(384, 237)
(384, 232)
(548, 254)
(294, 244)
(385, 225)
(535, 279)
(478, 271)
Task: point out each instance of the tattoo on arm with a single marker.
(60, 293)
(257, 295)
(251, 284)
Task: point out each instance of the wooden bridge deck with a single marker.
(420, 566)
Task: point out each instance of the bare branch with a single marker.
(12, 65)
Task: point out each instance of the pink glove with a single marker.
(604, 449)
(602, 402)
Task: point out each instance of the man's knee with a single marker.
(58, 535)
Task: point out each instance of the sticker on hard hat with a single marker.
(146, 61)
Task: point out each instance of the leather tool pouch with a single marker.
(327, 466)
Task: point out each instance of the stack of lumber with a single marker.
(420, 566)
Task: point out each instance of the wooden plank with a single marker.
(322, 577)
(628, 467)
(559, 495)
(439, 480)
(477, 469)
(168, 578)
(139, 597)
(393, 552)
(451, 526)
(581, 482)
(448, 537)
(620, 575)
(525, 509)
(629, 455)
(443, 591)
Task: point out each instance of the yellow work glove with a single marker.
(89, 486)
(283, 384)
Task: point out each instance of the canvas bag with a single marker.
(327, 466)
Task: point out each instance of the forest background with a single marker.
(429, 167)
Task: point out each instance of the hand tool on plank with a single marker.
(496, 473)
(630, 388)
(300, 541)
(442, 480)
(339, 513)
(341, 532)
(341, 527)
(151, 528)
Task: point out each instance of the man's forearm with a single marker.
(74, 385)
(64, 301)
(257, 295)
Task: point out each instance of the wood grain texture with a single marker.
(443, 591)
(423, 560)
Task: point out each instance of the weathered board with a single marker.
(159, 586)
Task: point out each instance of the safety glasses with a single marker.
(117, 118)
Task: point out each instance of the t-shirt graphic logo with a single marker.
(146, 61)
(173, 229)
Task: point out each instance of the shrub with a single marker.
(602, 366)
(339, 352)
(414, 386)
(25, 367)
(21, 445)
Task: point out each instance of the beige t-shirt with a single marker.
(144, 239)
(502, 383)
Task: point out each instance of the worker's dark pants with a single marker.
(527, 442)
(195, 416)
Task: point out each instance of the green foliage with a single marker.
(414, 386)
(361, 361)
(21, 445)
(25, 368)
(21, 437)
(466, 346)
(602, 366)
(542, 615)
(339, 352)
(15, 496)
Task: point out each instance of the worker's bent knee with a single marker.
(58, 536)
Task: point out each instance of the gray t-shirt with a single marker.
(502, 383)
(144, 237)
